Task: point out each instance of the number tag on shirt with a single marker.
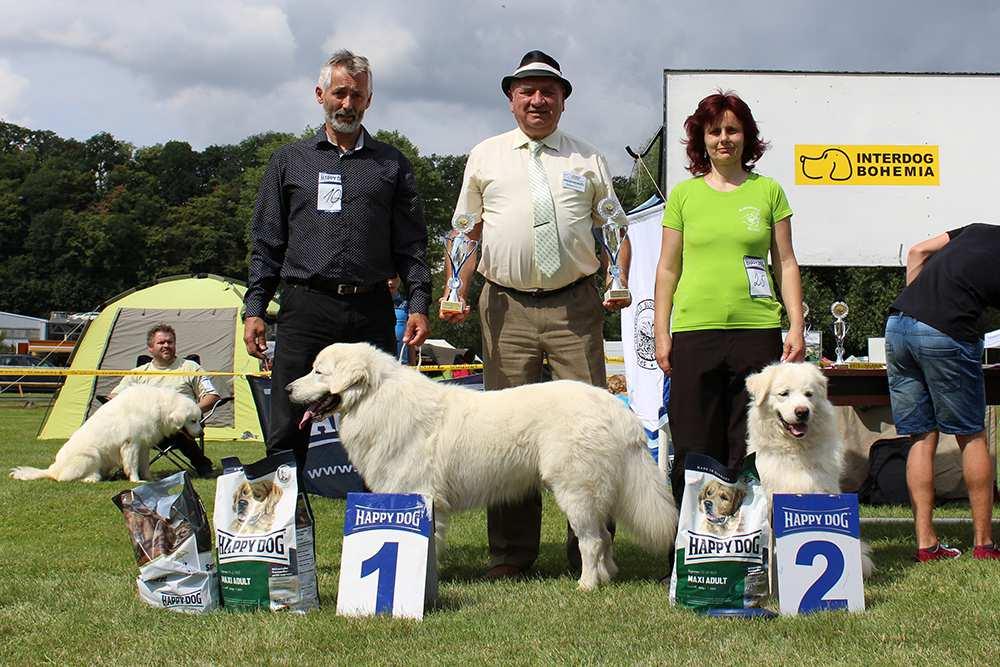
(574, 181)
(756, 270)
(330, 193)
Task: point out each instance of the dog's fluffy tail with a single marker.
(867, 564)
(26, 472)
(645, 503)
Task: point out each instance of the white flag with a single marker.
(644, 377)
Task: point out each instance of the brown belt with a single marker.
(542, 292)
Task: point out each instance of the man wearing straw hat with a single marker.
(534, 192)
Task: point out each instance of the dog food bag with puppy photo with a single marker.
(173, 544)
(264, 537)
(723, 538)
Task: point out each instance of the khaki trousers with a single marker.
(520, 331)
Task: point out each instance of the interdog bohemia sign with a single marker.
(866, 165)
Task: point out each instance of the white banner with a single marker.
(644, 377)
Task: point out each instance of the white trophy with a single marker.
(611, 235)
(462, 247)
(839, 310)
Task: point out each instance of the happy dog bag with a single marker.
(723, 538)
(173, 544)
(264, 531)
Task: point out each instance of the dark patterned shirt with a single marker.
(371, 226)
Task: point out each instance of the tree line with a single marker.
(83, 221)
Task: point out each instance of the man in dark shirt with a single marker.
(934, 348)
(337, 216)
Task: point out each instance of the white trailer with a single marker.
(871, 162)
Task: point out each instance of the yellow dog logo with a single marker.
(833, 163)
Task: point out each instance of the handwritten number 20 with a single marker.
(384, 562)
(813, 600)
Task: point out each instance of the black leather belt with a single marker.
(334, 288)
(542, 292)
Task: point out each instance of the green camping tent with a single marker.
(204, 310)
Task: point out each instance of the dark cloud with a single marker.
(215, 72)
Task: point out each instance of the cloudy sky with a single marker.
(216, 71)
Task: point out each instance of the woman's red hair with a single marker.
(709, 112)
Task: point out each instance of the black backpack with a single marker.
(886, 481)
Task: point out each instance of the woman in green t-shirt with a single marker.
(717, 317)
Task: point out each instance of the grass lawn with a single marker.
(67, 595)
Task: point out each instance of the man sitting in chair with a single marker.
(161, 342)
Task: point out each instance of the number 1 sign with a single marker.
(818, 551)
(387, 565)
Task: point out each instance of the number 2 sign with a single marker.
(388, 564)
(818, 551)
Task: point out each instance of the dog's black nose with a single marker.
(802, 413)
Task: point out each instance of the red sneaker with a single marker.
(937, 552)
(986, 552)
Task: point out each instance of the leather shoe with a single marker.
(504, 571)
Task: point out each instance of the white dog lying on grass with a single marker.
(119, 435)
(464, 448)
(793, 430)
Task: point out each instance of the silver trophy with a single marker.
(462, 248)
(839, 310)
(813, 340)
(611, 235)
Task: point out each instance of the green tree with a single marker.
(57, 183)
(203, 235)
(103, 154)
(868, 292)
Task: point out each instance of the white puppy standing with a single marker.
(792, 427)
(119, 435)
(463, 448)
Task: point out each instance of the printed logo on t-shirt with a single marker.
(751, 218)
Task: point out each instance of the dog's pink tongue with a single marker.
(306, 419)
(798, 430)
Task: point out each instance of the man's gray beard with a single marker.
(342, 127)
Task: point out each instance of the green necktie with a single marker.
(546, 234)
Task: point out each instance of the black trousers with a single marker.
(308, 321)
(708, 395)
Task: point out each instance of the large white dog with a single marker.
(464, 448)
(119, 435)
(792, 428)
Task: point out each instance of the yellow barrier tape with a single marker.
(36, 371)
(105, 372)
(451, 367)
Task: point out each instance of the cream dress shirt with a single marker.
(495, 188)
(194, 387)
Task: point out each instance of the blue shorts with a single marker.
(935, 382)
